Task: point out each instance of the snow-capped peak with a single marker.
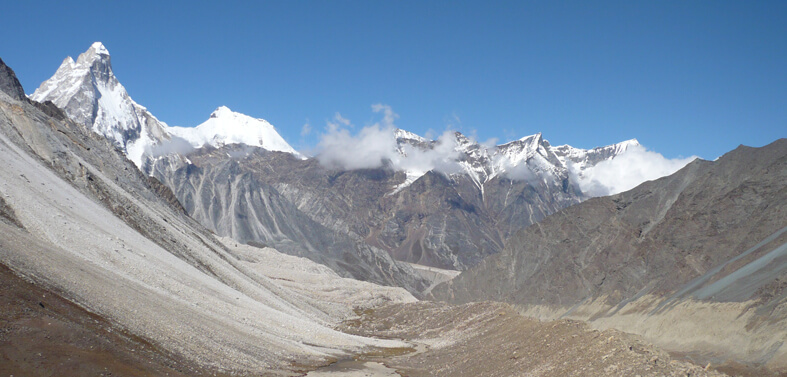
(401, 134)
(525, 158)
(68, 63)
(532, 138)
(228, 127)
(222, 111)
(99, 48)
(88, 91)
(96, 52)
(624, 145)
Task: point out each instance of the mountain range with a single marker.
(449, 215)
(220, 249)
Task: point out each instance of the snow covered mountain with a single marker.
(444, 203)
(529, 158)
(228, 127)
(90, 93)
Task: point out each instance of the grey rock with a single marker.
(227, 197)
(10, 84)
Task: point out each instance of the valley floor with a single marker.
(43, 334)
(492, 339)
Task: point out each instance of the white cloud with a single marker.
(367, 149)
(443, 157)
(388, 115)
(520, 172)
(341, 120)
(374, 146)
(306, 129)
(175, 145)
(626, 171)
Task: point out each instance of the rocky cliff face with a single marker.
(714, 232)
(230, 198)
(9, 84)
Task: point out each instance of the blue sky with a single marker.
(683, 77)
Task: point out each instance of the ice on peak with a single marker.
(99, 48)
(529, 143)
(96, 52)
(537, 137)
(228, 127)
(221, 111)
(68, 63)
(407, 135)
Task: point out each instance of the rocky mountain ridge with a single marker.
(711, 238)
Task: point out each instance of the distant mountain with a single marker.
(90, 93)
(695, 261)
(228, 127)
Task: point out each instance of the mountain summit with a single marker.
(90, 93)
(228, 127)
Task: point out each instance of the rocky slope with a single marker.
(695, 261)
(435, 219)
(81, 220)
(229, 198)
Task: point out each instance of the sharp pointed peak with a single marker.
(630, 142)
(99, 48)
(536, 136)
(96, 52)
(68, 61)
(407, 135)
(534, 140)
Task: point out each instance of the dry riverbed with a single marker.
(491, 339)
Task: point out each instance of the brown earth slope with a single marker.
(43, 334)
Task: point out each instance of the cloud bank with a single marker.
(626, 171)
(375, 146)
